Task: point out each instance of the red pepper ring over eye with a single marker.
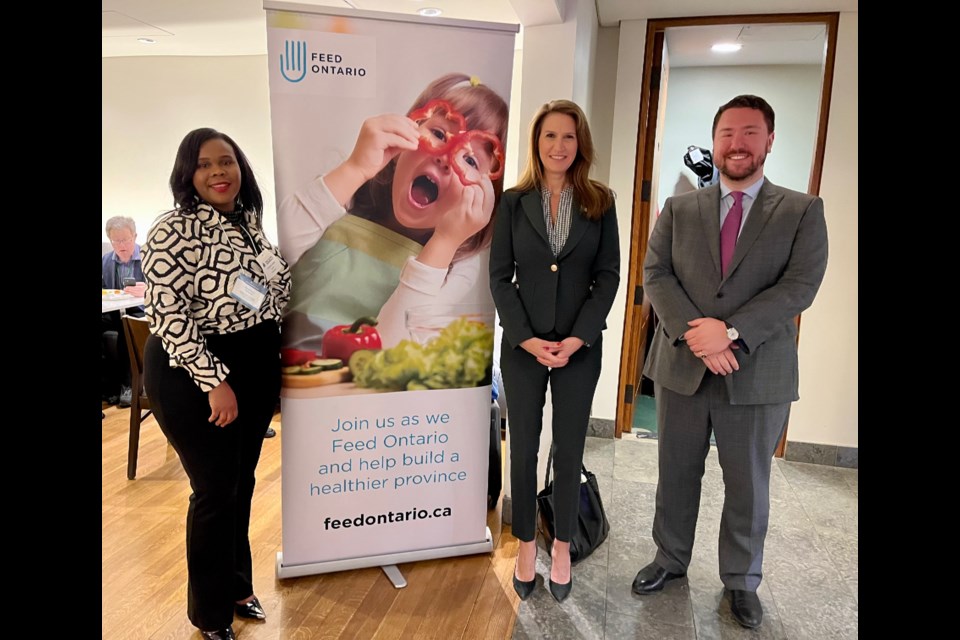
(474, 154)
(443, 113)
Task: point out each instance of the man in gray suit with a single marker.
(728, 268)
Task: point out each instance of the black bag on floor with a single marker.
(592, 524)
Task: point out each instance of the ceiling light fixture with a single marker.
(726, 47)
(146, 41)
(429, 12)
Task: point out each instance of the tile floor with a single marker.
(810, 585)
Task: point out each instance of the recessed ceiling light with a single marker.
(726, 47)
(146, 41)
(429, 12)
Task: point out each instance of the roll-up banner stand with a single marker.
(388, 138)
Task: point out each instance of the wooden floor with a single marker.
(144, 571)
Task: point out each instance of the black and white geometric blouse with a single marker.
(191, 259)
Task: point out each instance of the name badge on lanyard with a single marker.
(270, 264)
(248, 292)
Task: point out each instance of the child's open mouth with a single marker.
(424, 191)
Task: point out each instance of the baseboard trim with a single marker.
(826, 454)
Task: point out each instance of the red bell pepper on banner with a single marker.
(342, 340)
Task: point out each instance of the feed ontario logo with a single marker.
(296, 61)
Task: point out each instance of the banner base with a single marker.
(393, 574)
(299, 570)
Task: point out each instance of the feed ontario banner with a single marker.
(388, 135)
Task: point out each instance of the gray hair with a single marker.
(121, 222)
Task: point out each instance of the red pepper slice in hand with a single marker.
(439, 121)
(443, 131)
(343, 340)
(440, 108)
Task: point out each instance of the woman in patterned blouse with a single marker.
(216, 291)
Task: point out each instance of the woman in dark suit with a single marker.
(554, 271)
(216, 288)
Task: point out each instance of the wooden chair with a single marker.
(136, 331)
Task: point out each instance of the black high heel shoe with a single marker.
(219, 634)
(251, 610)
(523, 589)
(561, 591)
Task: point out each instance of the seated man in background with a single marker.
(120, 269)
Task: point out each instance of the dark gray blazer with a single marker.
(535, 292)
(775, 272)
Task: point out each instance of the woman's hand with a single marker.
(223, 405)
(136, 290)
(568, 347)
(469, 216)
(544, 351)
(381, 138)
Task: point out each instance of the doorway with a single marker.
(789, 60)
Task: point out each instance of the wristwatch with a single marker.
(732, 333)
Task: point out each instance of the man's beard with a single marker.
(750, 169)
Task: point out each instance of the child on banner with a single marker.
(404, 221)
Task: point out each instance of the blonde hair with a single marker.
(593, 197)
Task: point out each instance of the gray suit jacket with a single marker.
(537, 293)
(777, 267)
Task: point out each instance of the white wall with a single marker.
(148, 104)
(828, 409)
(601, 99)
(695, 93)
(622, 166)
(584, 13)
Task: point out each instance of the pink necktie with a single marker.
(730, 230)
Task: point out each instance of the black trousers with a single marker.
(220, 462)
(572, 386)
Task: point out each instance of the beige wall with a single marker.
(828, 410)
(149, 103)
(601, 100)
(623, 149)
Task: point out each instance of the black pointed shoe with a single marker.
(219, 634)
(652, 578)
(252, 610)
(561, 591)
(746, 608)
(524, 589)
